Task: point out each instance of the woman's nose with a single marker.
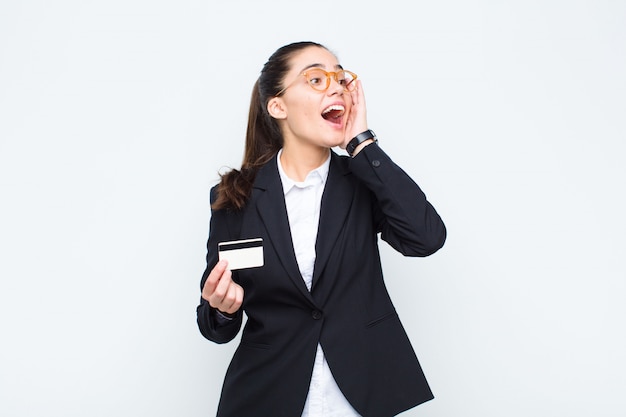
(335, 87)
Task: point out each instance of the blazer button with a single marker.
(316, 314)
(375, 163)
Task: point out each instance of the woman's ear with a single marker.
(276, 108)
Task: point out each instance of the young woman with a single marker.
(322, 337)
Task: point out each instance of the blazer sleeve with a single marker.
(402, 214)
(211, 326)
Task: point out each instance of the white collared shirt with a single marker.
(303, 200)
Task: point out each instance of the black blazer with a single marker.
(348, 309)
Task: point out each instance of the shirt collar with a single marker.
(319, 174)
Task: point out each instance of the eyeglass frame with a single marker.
(328, 75)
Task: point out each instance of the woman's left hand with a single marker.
(357, 119)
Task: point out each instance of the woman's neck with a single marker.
(298, 161)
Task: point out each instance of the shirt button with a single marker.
(316, 314)
(376, 163)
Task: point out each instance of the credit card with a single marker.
(240, 254)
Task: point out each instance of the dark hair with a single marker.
(263, 136)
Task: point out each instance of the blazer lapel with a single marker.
(271, 207)
(336, 202)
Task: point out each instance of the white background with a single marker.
(115, 117)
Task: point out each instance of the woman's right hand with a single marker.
(221, 291)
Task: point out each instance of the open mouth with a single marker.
(334, 113)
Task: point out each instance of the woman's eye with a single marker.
(315, 81)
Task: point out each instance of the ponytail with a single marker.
(263, 141)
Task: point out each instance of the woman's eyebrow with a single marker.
(339, 67)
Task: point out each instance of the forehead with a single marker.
(313, 57)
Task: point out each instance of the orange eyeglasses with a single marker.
(319, 80)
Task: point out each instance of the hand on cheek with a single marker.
(357, 121)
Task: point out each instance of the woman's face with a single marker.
(308, 115)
